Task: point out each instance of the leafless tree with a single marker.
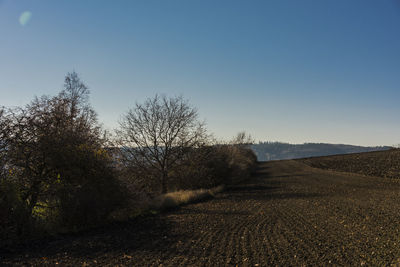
(158, 133)
(242, 139)
(4, 133)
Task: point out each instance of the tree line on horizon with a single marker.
(61, 171)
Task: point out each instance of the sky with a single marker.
(291, 71)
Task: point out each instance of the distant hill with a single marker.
(276, 150)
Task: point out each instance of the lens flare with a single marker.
(25, 18)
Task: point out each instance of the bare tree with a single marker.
(159, 133)
(242, 139)
(4, 133)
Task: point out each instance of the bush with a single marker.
(89, 202)
(204, 167)
(15, 219)
(242, 162)
(211, 166)
(54, 148)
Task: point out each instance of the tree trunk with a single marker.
(32, 196)
(32, 202)
(164, 187)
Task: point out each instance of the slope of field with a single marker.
(278, 151)
(289, 214)
(379, 163)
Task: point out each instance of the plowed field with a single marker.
(378, 163)
(289, 214)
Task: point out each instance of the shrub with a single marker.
(89, 200)
(204, 167)
(15, 219)
(54, 148)
(211, 166)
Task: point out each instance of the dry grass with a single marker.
(178, 198)
(163, 202)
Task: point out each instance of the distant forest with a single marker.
(276, 150)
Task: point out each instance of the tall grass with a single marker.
(181, 197)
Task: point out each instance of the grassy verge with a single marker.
(179, 198)
(165, 202)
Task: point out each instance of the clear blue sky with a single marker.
(294, 71)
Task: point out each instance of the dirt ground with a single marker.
(289, 214)
(378, 163)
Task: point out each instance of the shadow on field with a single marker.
(264, 185)
(157, 233)
(288, 176)
(267, 193)
(251, 188)
(213, 212)
(262, 170)
(151, 233)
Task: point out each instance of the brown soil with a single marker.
(288, 215)
(379, 163)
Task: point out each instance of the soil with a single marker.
(288, 214)
(379, 163)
